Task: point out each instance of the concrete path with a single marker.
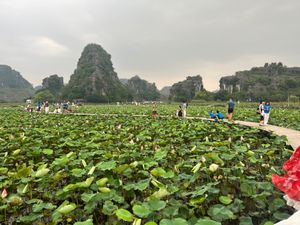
(293, 136)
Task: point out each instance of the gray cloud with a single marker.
(162, 41)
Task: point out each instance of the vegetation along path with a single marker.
(293, 136)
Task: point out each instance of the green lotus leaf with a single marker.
(3, 170)
(177, 221)
(141, 211)
(225, 200)
(124, 214)
(155, 204)
(40, 206)
(220, 213)
(48, 151)
(30, 218)
(106, 165)
(150, 223)
(207, 222)
(87, 222)
(109, 208)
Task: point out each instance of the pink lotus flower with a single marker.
(4, 193)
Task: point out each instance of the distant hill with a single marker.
(141, 90)
(186, 90)
(13, 87)
(272, 81)
(95, 79)
(165, 92)
(38, 87)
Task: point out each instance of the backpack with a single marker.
(257, 110)
(180, 113)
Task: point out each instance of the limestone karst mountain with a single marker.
(272, 81)
(141, 90)
(13, 87)
(53, 83)
(165, 92)
(187, 89)
(95, 79)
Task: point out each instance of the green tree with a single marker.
(53, 83)
(222, 95)
(205, 95)
(45, 95)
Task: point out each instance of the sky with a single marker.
(162, 41)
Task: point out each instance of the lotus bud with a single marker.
(213, 167)
(4, 193)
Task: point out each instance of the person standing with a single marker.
(46, 107)
(184, 108)
(230, 109)
(38, 106)
(260, 111)
(154, 111)
(267, 109)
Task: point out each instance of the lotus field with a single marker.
(121, 169)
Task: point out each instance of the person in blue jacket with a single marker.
(220, 115)
(212, 115)
(267, 110)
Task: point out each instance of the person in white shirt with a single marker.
(184, 108)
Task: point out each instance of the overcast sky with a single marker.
(162, 41)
